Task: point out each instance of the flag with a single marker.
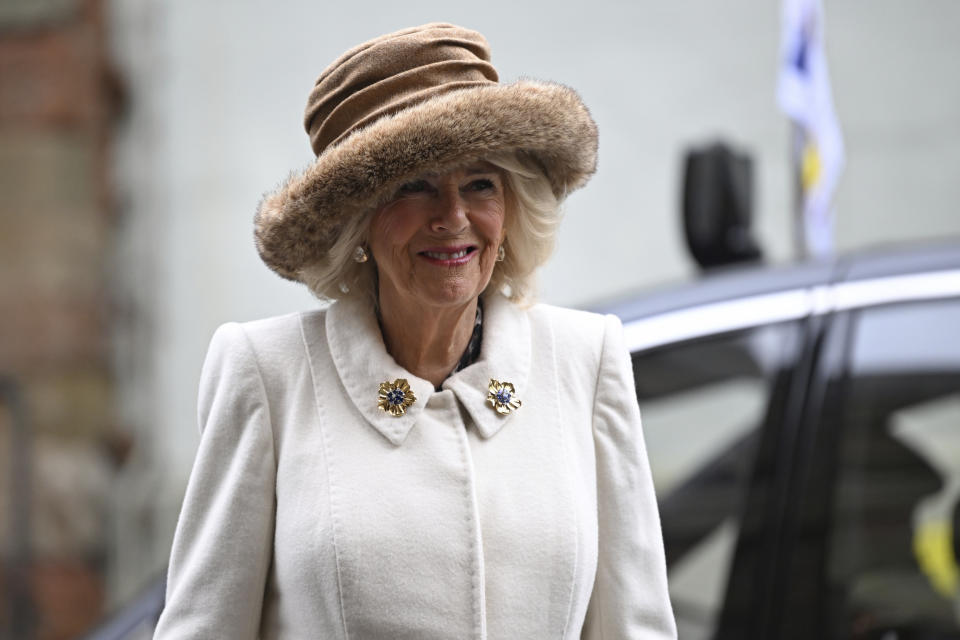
(803, 93)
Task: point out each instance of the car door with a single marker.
(872, 532)
(717, 411)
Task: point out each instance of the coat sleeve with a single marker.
(222, 546)
(630, 598)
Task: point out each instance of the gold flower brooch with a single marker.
(395, 397)
(502, 397)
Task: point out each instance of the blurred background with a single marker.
(137, 136)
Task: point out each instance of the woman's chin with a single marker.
(444, 299)
(448, 294)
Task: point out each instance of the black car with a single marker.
(803, 425)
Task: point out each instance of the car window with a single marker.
(892, 553)
(703, 404)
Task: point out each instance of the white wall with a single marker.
(218, 95)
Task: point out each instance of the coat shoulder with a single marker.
(570, 324)
(578, 336)
(265, 330)
(274, 342)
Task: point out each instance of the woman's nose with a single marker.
(450, 215)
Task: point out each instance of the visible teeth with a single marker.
(445, 256)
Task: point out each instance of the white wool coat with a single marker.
(310, 513)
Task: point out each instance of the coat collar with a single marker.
(362, 362)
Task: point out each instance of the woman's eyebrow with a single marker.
(470, 171)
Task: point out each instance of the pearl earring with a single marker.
(360, 254)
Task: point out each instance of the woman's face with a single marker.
(435, 243)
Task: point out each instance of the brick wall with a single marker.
(57, 102)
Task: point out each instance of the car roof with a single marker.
(738, 282)
(878, 263)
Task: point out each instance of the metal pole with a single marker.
(797, 145)
(21, 614)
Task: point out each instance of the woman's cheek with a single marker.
(489, 258)
(493, 222)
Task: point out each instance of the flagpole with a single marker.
(796, 178)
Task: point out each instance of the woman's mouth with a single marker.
(449, 255)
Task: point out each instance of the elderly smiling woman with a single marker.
(431, 456)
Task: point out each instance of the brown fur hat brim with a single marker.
(297, 223)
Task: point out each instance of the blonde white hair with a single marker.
(533, 215)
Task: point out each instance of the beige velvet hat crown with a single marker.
(406, 103)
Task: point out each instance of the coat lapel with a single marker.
(362, 362)
(504, 356)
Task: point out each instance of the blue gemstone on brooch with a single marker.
(395, 397)
(502, 397)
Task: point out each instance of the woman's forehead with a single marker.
(469, 168)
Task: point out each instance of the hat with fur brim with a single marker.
(407, 103)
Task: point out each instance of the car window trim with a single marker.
(716, 318)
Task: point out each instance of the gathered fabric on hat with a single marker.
(391, 73)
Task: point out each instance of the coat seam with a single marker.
(571, 591)
(596, 386)
(601, 625)
(273, 453)
(265, 396)
(329, 469)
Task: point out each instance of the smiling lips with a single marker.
(449, 255)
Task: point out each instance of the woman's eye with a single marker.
(482, 184)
